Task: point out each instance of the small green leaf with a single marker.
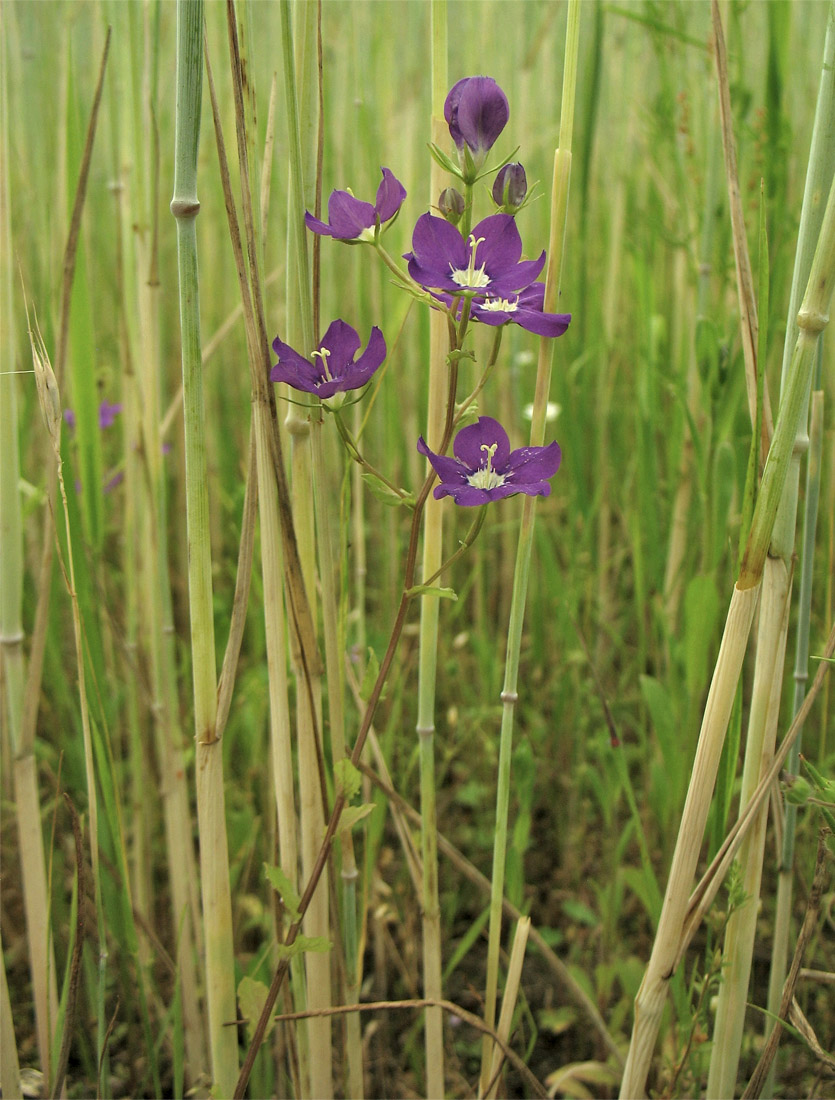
(348, 778)
(284, 888)
(252, 996)
(382, 492)
(444, 161)
(302, 944)
(432, 590)
(352, 814)
(372, 671)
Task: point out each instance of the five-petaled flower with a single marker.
(523, 309)
(488, 262)
(484, 467)
(352, 219)
(332, 369)
(476, 111)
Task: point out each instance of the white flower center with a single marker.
(471, 277)
(323, 353)
(499, 305)
(485, 477)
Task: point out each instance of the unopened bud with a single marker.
(451, 205)
(510, 187)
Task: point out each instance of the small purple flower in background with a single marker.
(523, 309)
(476, 111)
(487, 262)
(69, 419)
(331, 369)
(108, 414)
(510, 187)
(485, 468)
(351, 219)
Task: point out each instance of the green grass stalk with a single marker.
(214, 859)
(509, 695)
(430, 609)
(12, 662)
(149, 626)
(299, 42)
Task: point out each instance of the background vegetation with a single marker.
(635, 550)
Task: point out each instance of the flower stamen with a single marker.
(323, 354)
(485, 477)
(470, 277)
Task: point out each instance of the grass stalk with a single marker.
(430, 611)
(812, 318)
(12, 661)
(765, 702)
(299, 42)
(214, 859)
(509, 695)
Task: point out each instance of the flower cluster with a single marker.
(474, 274)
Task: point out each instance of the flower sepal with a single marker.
(445, 162)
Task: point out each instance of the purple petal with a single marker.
(447, 469)
(518, 277)
(294, 369)
(530, 465)
(368, 362)
(349, 216)
(467, 496)
(485, 432)
(390, 196)
(315, 225)
(343, 343)
(502, 245)
(542, 324)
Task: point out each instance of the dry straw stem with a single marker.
(810, 920)
(702, 897)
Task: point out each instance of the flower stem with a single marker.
(559, 205)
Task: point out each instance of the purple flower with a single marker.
(331, 369)
(476, 110)
(485, 468)
(523, 309)
(354, 220)
(69, 419)
(487, 263)
(108, 414)
(510, 187)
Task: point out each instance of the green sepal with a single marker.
(444, 161)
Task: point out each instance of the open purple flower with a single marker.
(523, 309)
(108, 413)
(332, 369)
(476, 111)
(485, 468)
(488, 262)
(351, 219)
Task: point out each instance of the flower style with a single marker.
(331, 369)
(486, 263)
(485, 468)
(476, 111)
(354, 220)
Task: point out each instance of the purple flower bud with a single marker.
(510, 187)
(476, 111)
(451, 205)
